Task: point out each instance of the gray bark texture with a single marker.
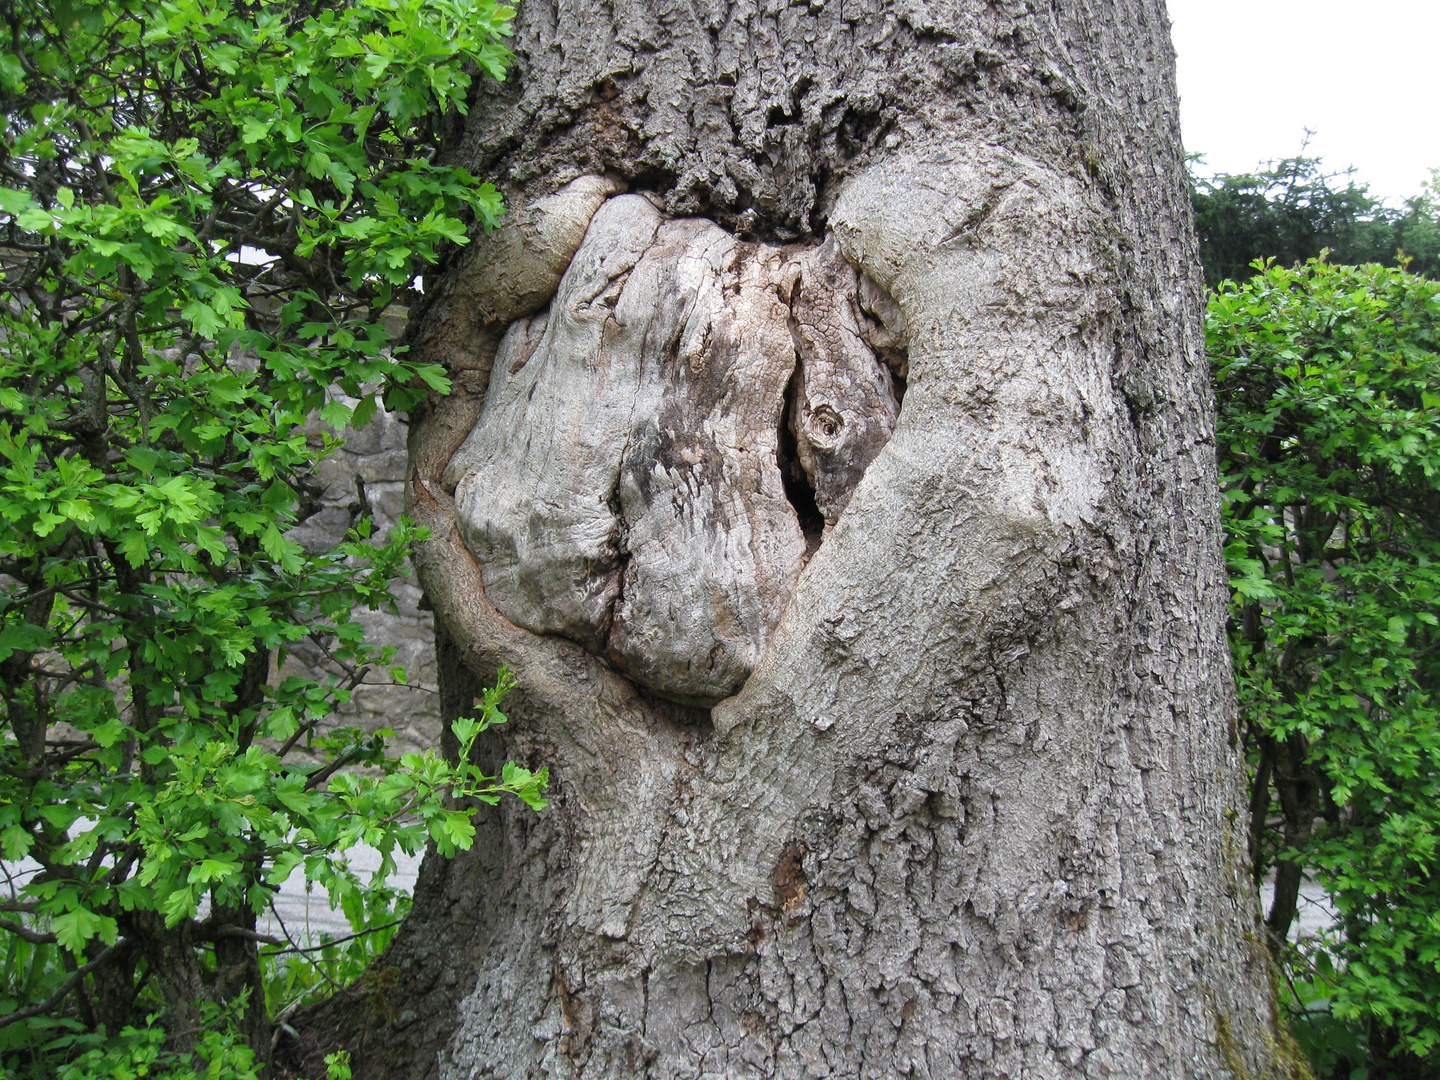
(831, 460)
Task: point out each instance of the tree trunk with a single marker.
(831, 459)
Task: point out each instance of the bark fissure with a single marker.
(799, 491)
(620, 543)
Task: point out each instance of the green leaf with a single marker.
(14, 202)
(336, 414)
(273, 542)
(135, 546)
(254, 128)
(35, 220)
(284, 865)
(364, 411)
(74, 928)
(433, 375)
(15, 843)
(209, 870)
(465, 729)
(21, 637)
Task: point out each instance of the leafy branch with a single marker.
(206, 212)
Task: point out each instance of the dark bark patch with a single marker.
(576, 1040)
(790, 880)
(651, 178)
(857, 126)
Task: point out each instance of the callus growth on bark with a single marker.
(831, 460)
(626, 483)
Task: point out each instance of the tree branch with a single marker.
(35, 937)
(239, 932)
(70, 984)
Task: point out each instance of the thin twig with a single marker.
(296, 948)
(299, 734)
(85, 601)
(337, 941)
(319, 776)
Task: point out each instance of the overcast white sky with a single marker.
(1361, 74)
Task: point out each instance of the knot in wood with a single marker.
(661, 450)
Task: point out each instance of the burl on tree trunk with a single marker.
(831, 460)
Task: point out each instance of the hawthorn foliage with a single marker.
(205, 208)
(1328, 383)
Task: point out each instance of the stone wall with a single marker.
(376, 456)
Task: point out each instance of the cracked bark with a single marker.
(954, 798)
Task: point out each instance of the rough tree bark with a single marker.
(831, 460)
